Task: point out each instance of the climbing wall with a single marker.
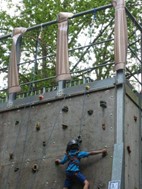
(31, 138)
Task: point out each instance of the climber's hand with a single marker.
(104, 152)
(57, 161)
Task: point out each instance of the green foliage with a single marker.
(39, 45)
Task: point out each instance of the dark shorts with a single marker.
(71, 176)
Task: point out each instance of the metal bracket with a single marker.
(114, 184)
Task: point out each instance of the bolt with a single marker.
(38, 126)
(34, 168)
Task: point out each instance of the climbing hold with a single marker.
(11, 156)
(16, 169)
(104, 154)
(79, 139)
(90, 112)
(34, 168)
(103, 126)
(65, 109)
(41, 97)
(64, 126)
(128, 149)
(38, 126)
(16, 122)
(100, 186)
(103, 104)
(44, 143)
(87, 87)
(135, 118)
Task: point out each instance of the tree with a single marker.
(90, 38)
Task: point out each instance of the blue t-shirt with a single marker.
(73, 158)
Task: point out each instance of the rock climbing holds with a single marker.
(34, 168)
(65, 109)
(103, 126)
(90, 112)
(128, 149)
(11, 156)
(87, 87)
(16, 122)
(64, 126)
(16, 169)
(38, 126)
(44, 143)
(135, 118)
(79, 139)
(103, 104)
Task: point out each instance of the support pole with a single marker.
(118, 175)
(140, 120)
(61, 85)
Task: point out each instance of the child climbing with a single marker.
(73, 156)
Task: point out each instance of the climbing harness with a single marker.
(73, 159)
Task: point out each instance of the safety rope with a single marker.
(83, 113)
(13, 153)
(33, 182)
(24, 147)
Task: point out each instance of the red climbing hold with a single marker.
(41, 97)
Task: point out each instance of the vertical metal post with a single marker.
(61, 85)
(118, 156)
(11, 98)
(140, 120)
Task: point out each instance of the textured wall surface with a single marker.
(37, 135)
(132, 145)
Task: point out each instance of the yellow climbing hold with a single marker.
(87, 87)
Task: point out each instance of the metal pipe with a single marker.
(70, 50)
(133, 19)
(87, 70)
(55, 21)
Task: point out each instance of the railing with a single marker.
(91, 56)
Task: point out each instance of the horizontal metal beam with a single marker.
(55, 21)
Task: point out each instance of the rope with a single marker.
(24, 147)
(48, 141)
(14, 148)
(83, 113)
